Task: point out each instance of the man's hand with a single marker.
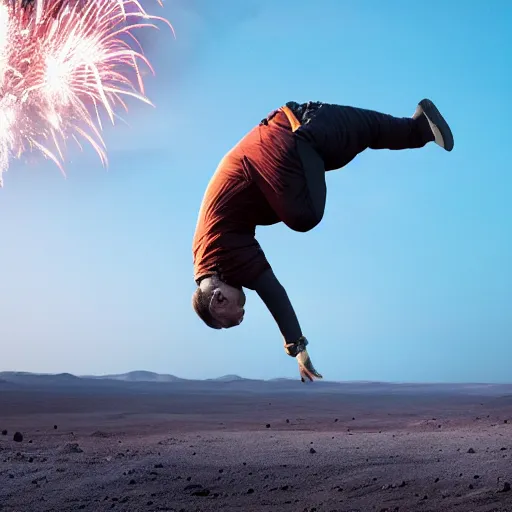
(298, 350)
(306, 368)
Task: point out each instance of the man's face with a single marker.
(227, 306)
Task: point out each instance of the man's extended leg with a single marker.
(339, 133)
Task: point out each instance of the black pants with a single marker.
(333, 135)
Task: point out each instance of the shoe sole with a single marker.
(438, 122)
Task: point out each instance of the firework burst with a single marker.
(64, 64)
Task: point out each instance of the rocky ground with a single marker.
(259, 451)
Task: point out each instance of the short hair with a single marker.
(201, 305)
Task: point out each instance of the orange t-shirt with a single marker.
(233, 205)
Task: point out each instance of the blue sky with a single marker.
(408, 278)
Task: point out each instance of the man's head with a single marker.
(219, 305)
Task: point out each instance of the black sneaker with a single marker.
(442, 133)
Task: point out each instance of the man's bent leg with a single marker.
(290, 174)
(339, 133)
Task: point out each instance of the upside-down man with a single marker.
(276, 173)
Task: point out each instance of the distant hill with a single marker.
(228, 378)
(139, 376)
(144, 380)
(35, 378)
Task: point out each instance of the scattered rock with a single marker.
(312, 450)
(470, 486)
(55, 427)
(159, 466)
(267, 425)
(436, 480)
(193, 486)
(502, 448)
(506, 487)
(4, 432)
(18, 437)
(284, 488)
(71, 448)
(287, 421)
(336, 420)
(476, 477)
(402, 484)
(101, 434)
(221, 470)
(250, 491)
(132, 482)
(201, 492)
(471, 450)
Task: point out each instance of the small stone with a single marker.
(336, 420)
(287, 421)
(18, 437)
(4, 432)
(402, 484)
(470, 486)
(189, 478)
(201, 492)
(149, 503)
(221, 471)
(476, 477)
(506, 487)
(31, 459)
(193, 486)
(436, 480)
(71, 448)
(284, 488)
(471, 450)
(132, 482)
(158, 466)
(267, 425)
(250, 491)
(312, 450)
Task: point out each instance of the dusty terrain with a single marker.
(253, 446)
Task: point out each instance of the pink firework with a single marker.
(64, 63)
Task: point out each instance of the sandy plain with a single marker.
(242, 445)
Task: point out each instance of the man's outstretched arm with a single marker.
(273, 294)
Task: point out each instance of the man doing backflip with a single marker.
(276, 173)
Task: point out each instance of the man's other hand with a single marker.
(306, 368)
